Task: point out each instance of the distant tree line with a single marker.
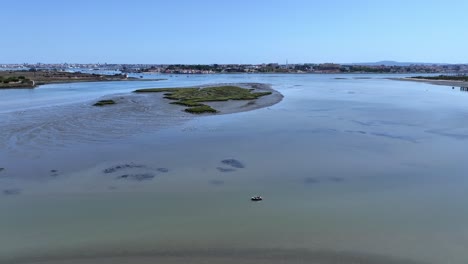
(12, 79)
(197, 67)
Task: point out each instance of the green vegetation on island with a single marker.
(15, 81)
(104, 102)
(462, 78)
(187, 103)
(193, 97)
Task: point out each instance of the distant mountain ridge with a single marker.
(396, 63)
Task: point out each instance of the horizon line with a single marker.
(341, 63)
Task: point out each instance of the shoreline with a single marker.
(33, 79)
(434, 82)
(37, 84)
(131, 79)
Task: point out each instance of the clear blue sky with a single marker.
(241, 31)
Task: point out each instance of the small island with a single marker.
(196, 98)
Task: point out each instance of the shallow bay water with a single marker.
(352, 170)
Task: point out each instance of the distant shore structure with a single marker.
(377, 67)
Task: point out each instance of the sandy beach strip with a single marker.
(236, 106)
(435, 82)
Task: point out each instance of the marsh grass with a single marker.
(104, 102)
(15, 81)
(187, 103)
(200, 109)
(193, 97)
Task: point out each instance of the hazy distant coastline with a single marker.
(377, 67)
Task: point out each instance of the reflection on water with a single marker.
(353, 170)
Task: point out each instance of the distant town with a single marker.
(247, 68)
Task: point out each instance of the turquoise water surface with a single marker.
(362, 167)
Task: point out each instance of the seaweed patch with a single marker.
(11, 191)
(123, 166)
(137, 177)
(225, 169)
(164, 170)
(233, 163)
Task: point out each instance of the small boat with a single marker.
(256, 198)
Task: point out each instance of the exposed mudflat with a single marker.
(132, 113)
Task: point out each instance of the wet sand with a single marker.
(132, 113)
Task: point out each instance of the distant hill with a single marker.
(395, 63)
